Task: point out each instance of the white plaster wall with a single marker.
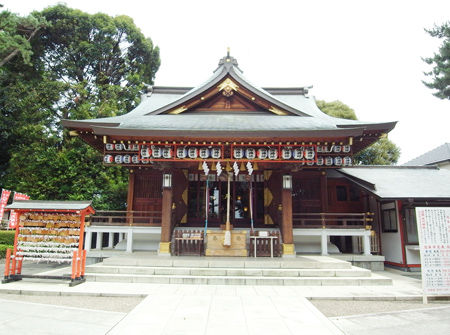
(391, 244)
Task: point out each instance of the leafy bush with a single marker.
(7, 237)
(3, 248)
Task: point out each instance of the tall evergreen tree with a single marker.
(81, 66)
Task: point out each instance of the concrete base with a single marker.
(372, 262)
(312, 245)
(141, 242)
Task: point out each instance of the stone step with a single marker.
(303, 262)
(373, 280)
(246, 272)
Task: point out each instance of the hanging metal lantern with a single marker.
(135, 159)
(273, 153)
(238, 153)
(118, 159)
(109, 146)
(347, 161)
(250, 153)
(156, 152)
(215, 153)
(346, 148)
(286, 153)
(329, 161)
(192, 152)
(108, 159)
(204, 153)
(298, 153)
(262, 153)
(338, 161)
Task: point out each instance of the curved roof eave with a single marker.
(99, 130)
(215, 79)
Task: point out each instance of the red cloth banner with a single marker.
(13, 218)
(4, 201)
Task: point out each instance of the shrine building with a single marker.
(233, 164)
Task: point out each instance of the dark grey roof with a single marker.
(305, 115)
(437, 155)
(47, 204)
(401, 182)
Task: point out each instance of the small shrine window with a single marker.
(412, 236)
(389, 217)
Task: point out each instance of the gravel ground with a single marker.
(331, 308)
(110, 304)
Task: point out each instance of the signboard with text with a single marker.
(433, 225)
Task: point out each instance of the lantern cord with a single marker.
(251, 203)
(206, 206)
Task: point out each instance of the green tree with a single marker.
(440, 75)
(81, 66)
(382, 152)
(16, 33)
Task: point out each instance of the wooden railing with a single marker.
(332, 220)
(126, 218)
(188, 242)
(268, 245)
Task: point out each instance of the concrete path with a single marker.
(224, 314)
(434, 321)
(31, 318)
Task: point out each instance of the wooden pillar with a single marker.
(130, 197)
(166, 219)
(324, 191)
(286, 221)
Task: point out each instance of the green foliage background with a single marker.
(382, 152)
(77, 66)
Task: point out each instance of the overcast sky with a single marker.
(365, 53)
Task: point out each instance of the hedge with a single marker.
(3, 248)
(7, 237)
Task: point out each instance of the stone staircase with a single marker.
(302, 270)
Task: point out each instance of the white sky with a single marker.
(365, 53)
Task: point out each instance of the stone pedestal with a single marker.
(215, 245)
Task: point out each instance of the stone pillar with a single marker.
(99, 241)
(110, 240)
(130, 240)
(87, 240)
(286, 219)
(166, 220)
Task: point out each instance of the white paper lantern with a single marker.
(329, 161)
(181, 152)
(135, 159)
(320, 161)
(310, 163)
(298, 153)
(215, 153)
(250, 153)
(204, 153)
(273, 153)
(309, 153)
(192, 152)
(286, 153)
(118, 159)
(118, 146)
(338, 161)
(145, 152)
(337, 148)
(167, 152)
(238, 153)
(126, 159)
(346, 148)
(347, 161)
(108, 159)
(109, 146)
(156, 152)
(262, 153)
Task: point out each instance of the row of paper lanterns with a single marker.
(134, 159)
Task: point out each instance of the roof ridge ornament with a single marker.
(228, 61)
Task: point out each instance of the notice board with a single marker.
(433, 225)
